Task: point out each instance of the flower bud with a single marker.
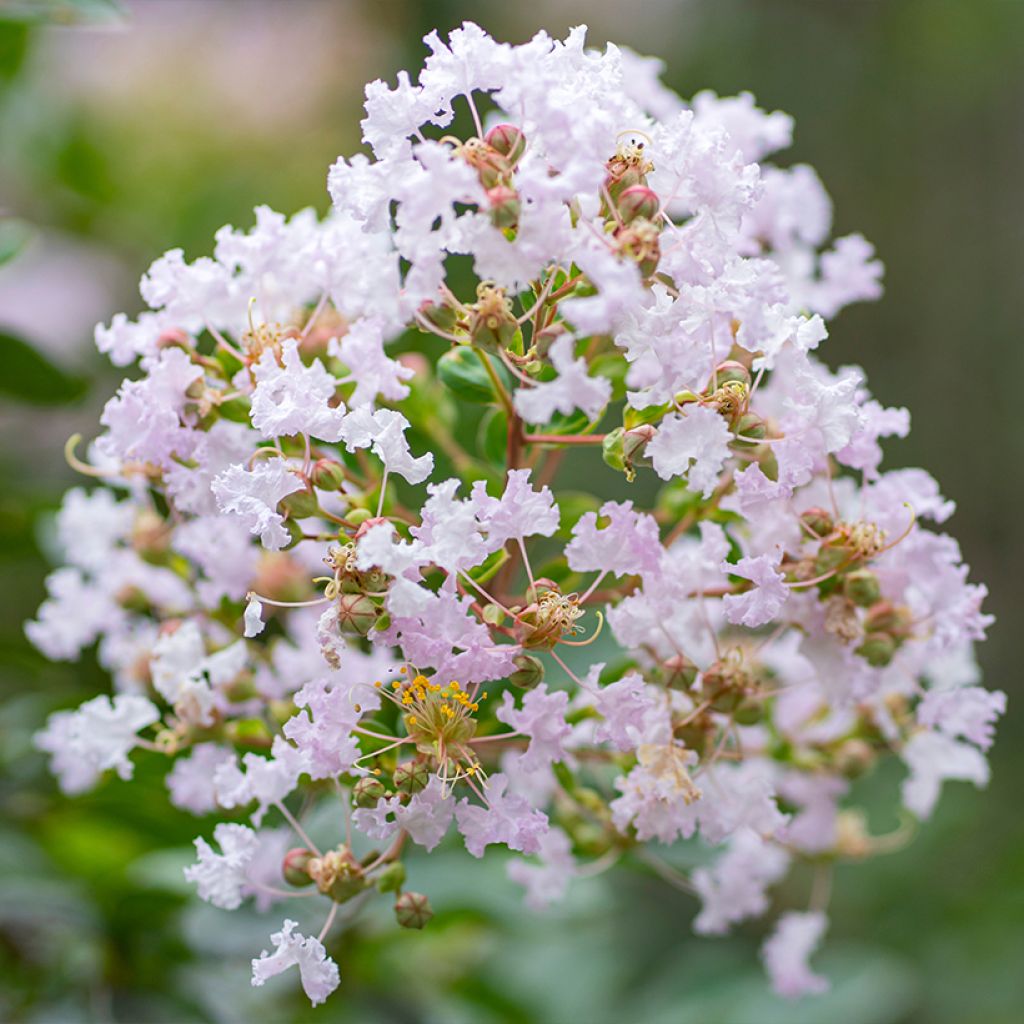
(356, 614)
(679, 672)
(818, 521)
(328, 475)
(883, 616)
(829, 558)
(441, 315)
(300, 505)
(504, 203)
(749, 713)
(637, 201)
(877, 650)
(751, 425)
(730, 371)
(508, 140)
(358, 516)
(411, 777)
(367, 791)
(413, 910)
(391, 877)
(295, 867)
(861, 587)
(529, 671)
(613, 449)
(634, 441)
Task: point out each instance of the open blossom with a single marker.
(787, 951)
(317, 971)
(355, 544)
(220, 877)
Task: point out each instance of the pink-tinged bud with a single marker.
(818, 521)
(411, 777)
(634, 441)
(751, 425)
(884, 616)
(368, 790)
(328, 475)
(638, 201)
(295, 867)
(413, 910)
(679, 672)
(508, 140)
(730, 370)
(367, 524)
(173, 337)
(504, 203)
(544, 339)
(357, 614)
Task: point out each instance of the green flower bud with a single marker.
(358, 516)
(504, 203)
(818, 521)
(295, 867)
(862, 588)
(730, 371)
(877, 650)
(613, 449)
(529, 672)
(829, 558)
(637, 201)
(679, 672)
(300, 505)
(411, 777)
(508, 140)
(391, 877)
(368, 790)
(328, 475)
(413, 910)
(356, 614)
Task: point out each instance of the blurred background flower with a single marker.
(126, 129)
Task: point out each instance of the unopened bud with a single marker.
(862, 588)
(358, 516)
(829, 558)
(680, 672)
(877, 650)
(508, 140)
(613, 449)
(439, 314)
(295, 867)
(544, 339)
(300, 505)
(411, 777)
(751, 425)
(634, 441)
(504, 203)
(529, 671)
(413, 910)
(731, 371)
(637, 201)
(818, 521)
(356, 614)
(391, 877)
(328, 475)
(367, 791)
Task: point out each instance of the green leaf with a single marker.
(463, 374)
(493, 436)
(30, 377)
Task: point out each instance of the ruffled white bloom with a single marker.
(317, 971)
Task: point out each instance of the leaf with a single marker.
(30, 377)
(493, 436)
(463, 374)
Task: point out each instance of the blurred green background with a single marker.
(124, 133)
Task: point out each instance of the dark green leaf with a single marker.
(29, 376)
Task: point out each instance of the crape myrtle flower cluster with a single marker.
(328, 557)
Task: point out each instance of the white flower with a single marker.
(254, 494)
(787, 951)
(317, 971)
(220, 877)
(694, 446)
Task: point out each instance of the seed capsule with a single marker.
(411, 777)
(413, 910)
